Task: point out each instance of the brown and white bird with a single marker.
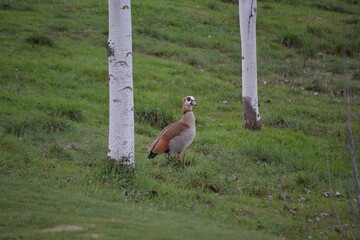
(176, 137)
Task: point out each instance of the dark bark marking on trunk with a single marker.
(122, 63)
(249, 115)
(250, 16)
(110, 50)
(127, 87)
(111, 76)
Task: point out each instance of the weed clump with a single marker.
(54, 125)
(316, 30)
(6, 6)
(333, 7)
(230, 1)
(151, 32)
(58, 152)
(203, 181)
(18, 128)
(213, 6)
(292, 40)
(294, 124)
(351, 20)
(259, 154)
(72, 114)
(62, 109)
(155, 117)
(21, 127)
(60, 28)
(179, 164)
(40, 40)
(279, 123)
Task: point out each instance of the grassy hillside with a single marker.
(290, 180)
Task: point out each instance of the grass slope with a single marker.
(231, 183)
(34, 211)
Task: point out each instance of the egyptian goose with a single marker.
(176, 137)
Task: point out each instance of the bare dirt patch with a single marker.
(63, 228)
(94, 235)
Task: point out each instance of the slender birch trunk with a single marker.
(119, 51)
(251, 115)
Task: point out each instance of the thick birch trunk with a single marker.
(119, 49)
(251, 115)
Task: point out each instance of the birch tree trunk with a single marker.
(251, 115)
(119, 51)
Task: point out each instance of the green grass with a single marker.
(33, 210)
(231, 183)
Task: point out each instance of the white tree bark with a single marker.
(251, 115)
(119, 50)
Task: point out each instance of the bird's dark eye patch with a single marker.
(188, 99)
